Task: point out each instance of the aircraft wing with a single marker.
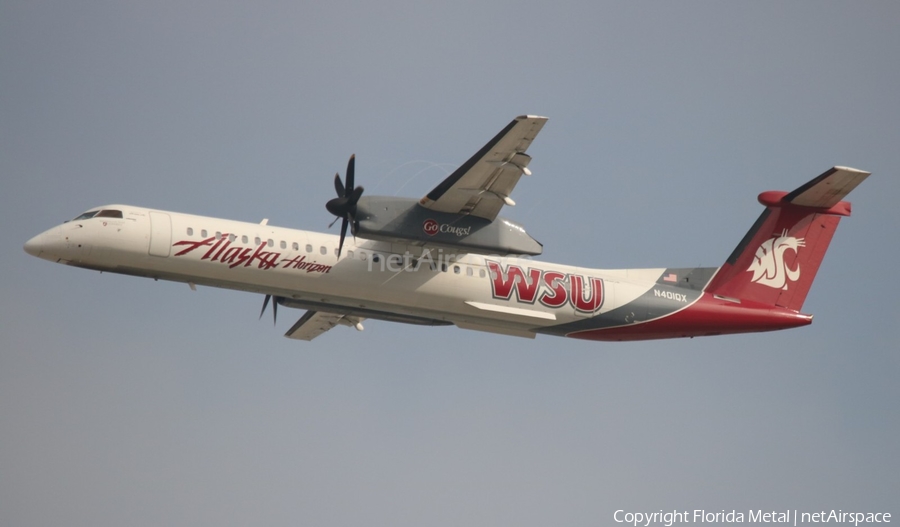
(314, 323)
(482, 185)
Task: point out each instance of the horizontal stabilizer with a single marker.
(828, 189)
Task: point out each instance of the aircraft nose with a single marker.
(34, 245)
(45, 245)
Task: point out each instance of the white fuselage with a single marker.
(499, 294)
(432, 280)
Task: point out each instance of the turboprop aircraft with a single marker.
(449, 259)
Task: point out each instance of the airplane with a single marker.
(450, 259)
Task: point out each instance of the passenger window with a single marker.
(481, 273)
(362, 256)
(456, 269)
(493, 275)
(469, 271)
(295, 246)
(308, 248)
(190, 231)
(350, 254)
(257, 241)
(270, 243)
(203, 233)
(232, 237)
(244, 239)
(323, 250)
(376, 257)
(218, 235)
(443, 267)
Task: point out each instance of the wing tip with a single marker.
(853, 170)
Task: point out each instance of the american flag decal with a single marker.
(671, 277)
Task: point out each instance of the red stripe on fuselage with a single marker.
(708, 316)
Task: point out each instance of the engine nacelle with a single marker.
(403, 220)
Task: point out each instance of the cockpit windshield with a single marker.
(86, 215)
(109, 213)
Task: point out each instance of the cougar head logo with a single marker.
(768, 265)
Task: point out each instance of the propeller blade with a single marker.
(333, 222)
(265, 303)
(274, 308)
(344, 205)
(343, 234)
(338, 185)
(275, 311)
(351, 168)
(354, 196)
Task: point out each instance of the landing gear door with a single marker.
(160, 234)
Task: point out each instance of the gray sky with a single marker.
(125, 401)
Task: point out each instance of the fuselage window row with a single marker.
(363, 256)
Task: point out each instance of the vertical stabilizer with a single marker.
(777, 260)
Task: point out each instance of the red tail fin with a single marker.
(777, 260)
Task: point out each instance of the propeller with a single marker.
(344, 205)
(274, 308)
